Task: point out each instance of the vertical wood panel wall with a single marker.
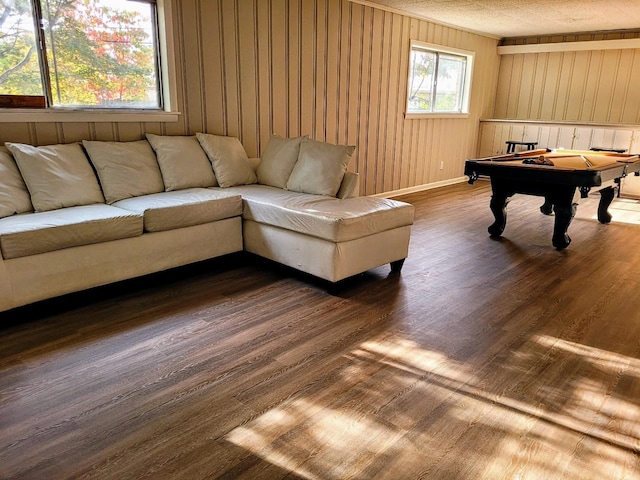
(331, 69)
(579, 86)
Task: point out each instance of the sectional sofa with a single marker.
(75, 216)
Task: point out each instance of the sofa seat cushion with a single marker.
(33, 233)
(333, 219)
(183, 208)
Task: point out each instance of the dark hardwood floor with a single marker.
(483, 359)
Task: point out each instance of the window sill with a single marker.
(16, 115)
(418, 116)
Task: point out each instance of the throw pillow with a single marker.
(278, 161)
(57, 176)
(228, 158)
(125, 169)
(14, 196)
(320, 168)
(182, 162)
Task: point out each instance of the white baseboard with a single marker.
(421, 188)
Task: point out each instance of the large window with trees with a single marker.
(439, 80)
(80, 54)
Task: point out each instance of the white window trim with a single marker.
(169, 91)
(466, 97)
(417, 116)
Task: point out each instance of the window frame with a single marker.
(416, 45)
(167, 89)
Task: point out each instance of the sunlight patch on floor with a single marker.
(331, 440)
(610, 360)
(623, 210)
(337, 436)
(408, 356)
(584, 436)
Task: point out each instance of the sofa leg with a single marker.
(334, 289)
(397, 266)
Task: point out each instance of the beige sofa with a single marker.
(80, 215)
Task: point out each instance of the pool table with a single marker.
(560, 176)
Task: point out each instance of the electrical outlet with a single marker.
(441, 165)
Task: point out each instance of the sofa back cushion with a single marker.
(14, 196)
(57, 176)
(125, 169)
(320, 168)
(228, 158)
(278, 160)
(182, 162)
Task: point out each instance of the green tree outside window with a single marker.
(97, 53)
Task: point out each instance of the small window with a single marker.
(439, 80)
(19, 68)
(80, 54)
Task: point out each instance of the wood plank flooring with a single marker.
(484, 359)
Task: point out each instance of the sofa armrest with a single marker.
(350, 186)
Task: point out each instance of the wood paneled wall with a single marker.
(578, 86)
(331, 69)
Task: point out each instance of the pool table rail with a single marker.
(573, 174)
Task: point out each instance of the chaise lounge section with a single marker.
(326, 237)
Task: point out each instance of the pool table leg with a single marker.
(564, 207)
(498, 206)
(606, 197)
(547, 206)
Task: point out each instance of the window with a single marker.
(439, 80)
(80, 54)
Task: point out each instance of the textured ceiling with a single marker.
(517, 18)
